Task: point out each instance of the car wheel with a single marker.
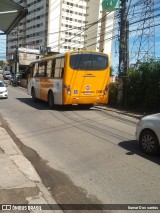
(51, 100)
(33, 95)
(149, 142)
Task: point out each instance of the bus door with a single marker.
(58, 80)
(36, 80)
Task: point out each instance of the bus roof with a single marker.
(59, 55)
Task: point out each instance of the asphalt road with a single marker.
(82, 156)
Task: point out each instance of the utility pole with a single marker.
(123, 40)
(123, 53)
(103, 29)
(17, 53)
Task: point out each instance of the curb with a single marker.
(133, 115)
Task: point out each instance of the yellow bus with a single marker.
(75, 77)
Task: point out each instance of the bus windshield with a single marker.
(88, 61)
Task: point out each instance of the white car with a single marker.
(7, 75)
(148, 134)
(3, 90)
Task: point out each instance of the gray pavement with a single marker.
(19, 182)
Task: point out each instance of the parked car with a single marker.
(7, 75)
(3, 90)
(148, 134)
(15, 80)
(1, 71)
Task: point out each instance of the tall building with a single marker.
(61, 25)
(32, 30)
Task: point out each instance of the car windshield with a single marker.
(2, 84)
(18, 75)
(7, 73)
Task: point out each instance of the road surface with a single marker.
(82, 156)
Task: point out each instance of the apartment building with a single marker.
(61, 25)
(32, 30)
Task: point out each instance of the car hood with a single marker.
(152, 117)
(2, 89)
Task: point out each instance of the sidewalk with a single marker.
(19, 182)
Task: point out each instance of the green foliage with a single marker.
(111, 70)
(142, 86)
(132, 87)
(113, 91)
(1, 63)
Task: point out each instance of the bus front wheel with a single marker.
(51, 100)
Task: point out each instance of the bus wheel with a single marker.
(51, 100)
(33, 95)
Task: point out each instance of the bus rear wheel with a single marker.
(51, 100)
(33, 95)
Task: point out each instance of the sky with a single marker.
(2, 47)
(147, 22)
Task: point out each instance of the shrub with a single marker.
(142, 86)
(113, 92)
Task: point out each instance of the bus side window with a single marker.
(49, 68)
(45, 69)
(35, 70)
(30, 70)
(57, 68)
(53, 68)
(42, 69)
(62, 68)
(62, 72)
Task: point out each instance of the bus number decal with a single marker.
(99, 91)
